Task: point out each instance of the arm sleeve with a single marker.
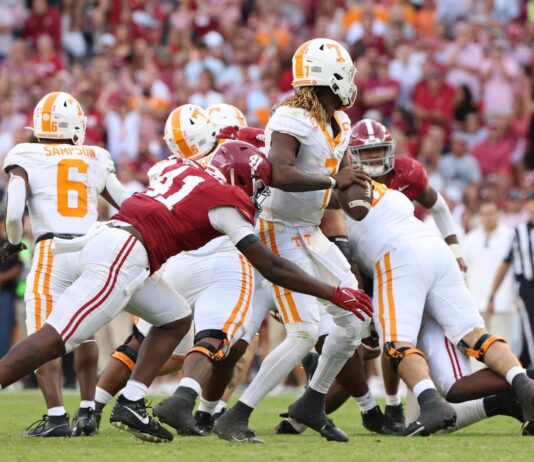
(229, 221)
(116, 190)
(443, 218)
(16, 201)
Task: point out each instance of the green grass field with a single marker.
(493, 440)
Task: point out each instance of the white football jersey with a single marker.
(389, 221)
(65, 182)
(319, 153)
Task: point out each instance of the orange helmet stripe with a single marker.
(299, 61)
(46, 116)
(177, 133)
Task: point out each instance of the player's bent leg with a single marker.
(436, 414)
(497, 355)
(300, 339)
(209, 350)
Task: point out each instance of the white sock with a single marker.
(366, 402)
(87, 404)
(393, 400)
(56, 411)
(207, 406)
(188, 382)
(134, 390)
(513, 372)
(102, 396)
(220, 406)
(422, 386)
(469, 412)
(300, 340)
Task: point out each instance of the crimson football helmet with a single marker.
(242, 164)
(370, 134)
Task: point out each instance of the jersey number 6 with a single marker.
(64, 185)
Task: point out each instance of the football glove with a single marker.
(7, 250)
(354, 300)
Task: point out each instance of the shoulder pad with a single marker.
(293, 121)
(22, 155)
(411, 171)
(105, 158)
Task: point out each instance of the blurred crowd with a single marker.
(453, 79)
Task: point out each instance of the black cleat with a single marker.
(289, 426)
(524, 390)
(98, 418)
(233, 427)
(375, 421)
(177, 411)
(436, 414)
(132, 417)
(84, 422)
(504, 403)
(219, 414)
(396, 421)
(309, 364)
(527, 429)
(204, 422)
(332, 433)
(49, 427)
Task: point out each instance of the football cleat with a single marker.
(131, 416)
(332, 433)
(289, 426)
(436, 414)
(232, 427)
(219, 414)
(527, 429)
(177, 411)
(524, 390)
(375, 421)
(49, 426)
(84, 422)
(204, 422)
(98, 418)
(396, 421)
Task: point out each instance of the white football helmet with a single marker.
(326, 63)
(189, 132)
(58, 116)
(226, 115)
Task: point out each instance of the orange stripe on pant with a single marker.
(278, 299)
(242, 294)
(380, 282)
(391, 299)
(249, 289)
(46, 285)
(285, 293)
(36, 293)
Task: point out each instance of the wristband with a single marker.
(333, 182)
(456, 250)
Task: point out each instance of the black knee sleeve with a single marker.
(342, 243)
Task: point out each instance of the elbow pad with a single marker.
(16, 202)
(443, 218)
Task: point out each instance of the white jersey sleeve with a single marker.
(229, 221)
(293, 121)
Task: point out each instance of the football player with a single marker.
(306, 138)
(60, 179)
(415, 273)
(185, 209)
(218, 303)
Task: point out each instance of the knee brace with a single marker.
(396, 355)
(213, 353)
(481, 346)
(126, 355)
(342, 243)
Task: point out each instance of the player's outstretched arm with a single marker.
(285, 176)
(114, 192)
(434, 202)
(17, 194)
(284, 273)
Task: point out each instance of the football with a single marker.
(356, 200)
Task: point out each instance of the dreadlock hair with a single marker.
(306, 98)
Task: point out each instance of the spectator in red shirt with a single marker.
(495, 151)
(47, 62)
(433, 99)
(382, 91)
(43, 20)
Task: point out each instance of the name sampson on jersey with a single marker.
(69, 150)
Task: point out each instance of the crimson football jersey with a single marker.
(172, 216)
(408, 177)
